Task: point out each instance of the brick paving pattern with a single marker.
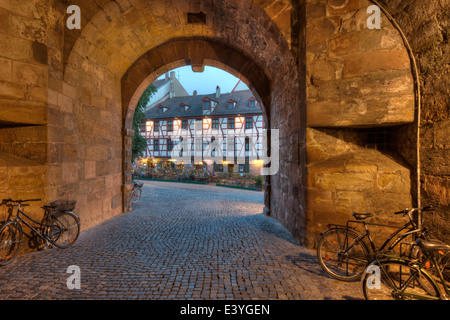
(182, 241)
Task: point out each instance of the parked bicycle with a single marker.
(136, 191)
(59, 226)
(393, 277)
(344, 252)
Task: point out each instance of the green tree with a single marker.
(139, 144)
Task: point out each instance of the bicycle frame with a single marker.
(22, 220)
(419, 267)
(366, 234)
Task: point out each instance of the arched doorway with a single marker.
(127, 44)
(147, 65)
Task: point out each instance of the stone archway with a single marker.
(126, 42)
(179, 53)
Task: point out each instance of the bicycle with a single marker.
(393, 277)
(59, 226)
(344, 252)
(136, 191)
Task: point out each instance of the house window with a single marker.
(183, 146)
(170, 126)
(169, 145)
(252, 104)
(215, 123)
(248, 123)
(156, 143)
(207, 105)
(156, 126)
(245, 168)
(247, 144)
(213, 151)
(184, 124)
(183, 107)
(198, 124)
(199, 144)
(218, 167)
(230, 144)
(230, 123)
(230, 105)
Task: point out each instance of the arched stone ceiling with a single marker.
(116, 33)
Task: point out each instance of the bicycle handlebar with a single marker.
(405, 211)
(5, 201)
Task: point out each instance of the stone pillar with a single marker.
(127, 135)
(267, 195)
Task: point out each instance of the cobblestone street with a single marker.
(182, 241)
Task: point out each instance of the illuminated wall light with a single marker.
(258, 162)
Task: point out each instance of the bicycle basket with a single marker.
(63, 205)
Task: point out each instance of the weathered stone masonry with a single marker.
(326, 81)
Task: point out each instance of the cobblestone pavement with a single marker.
(182, 241)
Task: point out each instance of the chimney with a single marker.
(166, 76)
(172, 85)
(195, 92)
(217, 92)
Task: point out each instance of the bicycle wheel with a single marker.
(397, 280)
(136, 195)
(10, 240)
(63, 229)
(341, 255)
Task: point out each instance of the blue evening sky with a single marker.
(206, 82)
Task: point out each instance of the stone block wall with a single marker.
(426, 26)
(356, 78)
(24, 27)
(346, 178)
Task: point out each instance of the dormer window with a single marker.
(162, 109)
(231, 104)
(252, 103)
(183, 107)
(206, 105)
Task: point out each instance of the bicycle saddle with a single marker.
(361, 216)
(432, 245)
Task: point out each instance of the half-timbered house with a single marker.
(216, 132)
